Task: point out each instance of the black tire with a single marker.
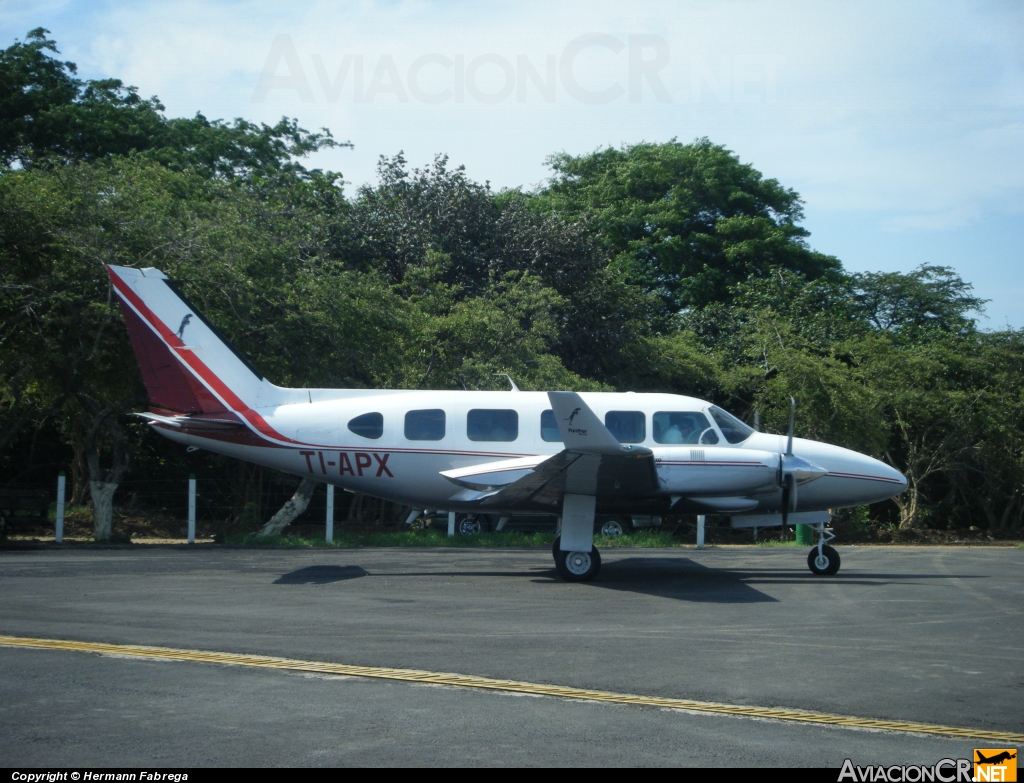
(613, 526)
(821, 569)
(469, 526)
(571, 572)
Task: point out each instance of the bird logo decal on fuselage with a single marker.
(184, 323)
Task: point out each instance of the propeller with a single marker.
(793, 471)
(792, 423)
(788, 477)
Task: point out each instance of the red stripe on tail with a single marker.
(169, 385)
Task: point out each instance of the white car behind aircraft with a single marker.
(512, 452)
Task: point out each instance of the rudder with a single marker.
(186, 364)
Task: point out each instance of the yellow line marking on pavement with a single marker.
(509, 686)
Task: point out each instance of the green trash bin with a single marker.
(805, 535)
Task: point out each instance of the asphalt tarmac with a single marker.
(930, 635)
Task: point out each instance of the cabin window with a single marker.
(493, 425)
(735, 431)
(549, 428)
(425, 425)
(674, 427)
(369, 425)
(627, 426)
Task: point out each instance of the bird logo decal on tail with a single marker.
(181, 328)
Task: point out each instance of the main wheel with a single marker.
(469, 526)
(576, 566)
(825, 564)
(614, 526)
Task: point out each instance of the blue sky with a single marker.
(901, 125)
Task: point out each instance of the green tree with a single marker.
(687, 221)
(929, 299)
(48, 114)
(436, 228)
(991, 475)
(252, 258)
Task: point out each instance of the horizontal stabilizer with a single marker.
(192, 422)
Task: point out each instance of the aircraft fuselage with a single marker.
(312, 438)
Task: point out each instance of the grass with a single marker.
(436, 538)
(778, 543)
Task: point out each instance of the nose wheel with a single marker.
(823, 560)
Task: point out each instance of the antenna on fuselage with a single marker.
(506, 375)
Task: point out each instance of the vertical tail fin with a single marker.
(187, 365)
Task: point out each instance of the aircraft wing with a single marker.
(592, 463)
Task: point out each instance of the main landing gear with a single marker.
(576, 566)
(823, 560)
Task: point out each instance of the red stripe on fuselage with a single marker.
(863, 476)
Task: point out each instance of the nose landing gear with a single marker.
(823, 560)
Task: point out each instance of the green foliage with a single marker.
(435, 538)
(401, 538)
(654, 267)
(48, 114)
(686, 220)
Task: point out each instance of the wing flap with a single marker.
(492, 475)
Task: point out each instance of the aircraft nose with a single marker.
(862, 479)
(880, 481)
(890, 472)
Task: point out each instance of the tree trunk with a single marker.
(355, 509)
(908, 508)
(102, 508)
(290, 510)
(79, 468)
(103, 483)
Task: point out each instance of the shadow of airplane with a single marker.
(676, 577)
(320, 575)
(680, 578)
(685, 579)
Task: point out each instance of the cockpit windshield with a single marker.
(734, 430)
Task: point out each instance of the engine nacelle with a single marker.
(716, 470)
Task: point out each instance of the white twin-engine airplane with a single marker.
(563, 453)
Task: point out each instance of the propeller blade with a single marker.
(792, 423)
(788, 499)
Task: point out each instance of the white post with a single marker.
(58, 528)
(192, 508)
(700, 532)
(330, 512)
(451, 524)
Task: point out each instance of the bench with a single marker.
(25, 506)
